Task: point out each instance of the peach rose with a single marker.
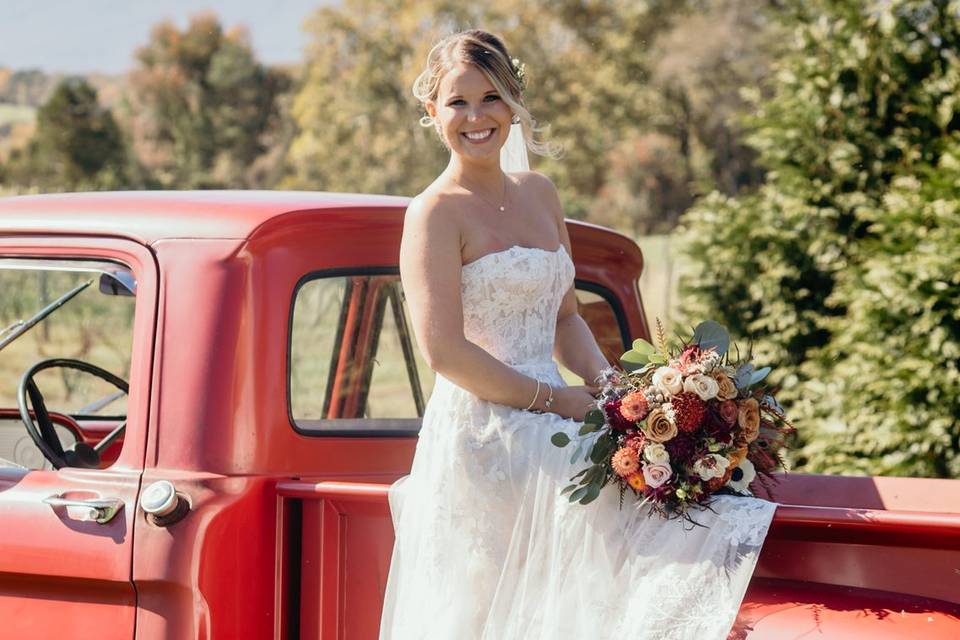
(704, 386)
(625, 462)
(727, 389)
(658, 427)
(748, 416)
(657, 474)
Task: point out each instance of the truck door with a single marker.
(76, 338)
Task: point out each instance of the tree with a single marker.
(590, 66)
(202, 105)
(77, 144)
(859, 140)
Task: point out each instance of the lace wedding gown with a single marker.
(487, 548)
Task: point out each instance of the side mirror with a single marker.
(118, 283)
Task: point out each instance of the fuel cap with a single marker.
(159, 499)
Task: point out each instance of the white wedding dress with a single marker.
(487, 548)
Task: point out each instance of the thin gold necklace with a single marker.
(499, 207)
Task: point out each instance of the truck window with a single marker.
(68, 327)
(354, 365)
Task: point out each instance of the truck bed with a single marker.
(845, 557)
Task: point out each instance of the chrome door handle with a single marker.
(102, 511)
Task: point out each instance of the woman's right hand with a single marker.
(574, 402)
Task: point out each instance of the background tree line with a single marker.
(807, 149)
(640, 94)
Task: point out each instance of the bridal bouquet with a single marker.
(678, 424)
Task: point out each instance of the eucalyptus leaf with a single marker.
(594, 416)
(759, 375)
(579, 493)
(592, 475)
(567, 489)
(638, 356)
(560, 439)
(577, 452)
(602, 449)
(742, 378)
(581, 472)
(710, 334)
(593, 491)
(589, 427)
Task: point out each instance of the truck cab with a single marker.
(198, 437)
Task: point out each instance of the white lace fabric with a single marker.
(487, 548)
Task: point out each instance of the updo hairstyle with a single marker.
(488, 53)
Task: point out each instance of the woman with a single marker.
(486, 546)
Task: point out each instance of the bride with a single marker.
(486, 547)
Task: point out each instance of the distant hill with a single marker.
(31, 87)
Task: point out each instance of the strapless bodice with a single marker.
(511, 299)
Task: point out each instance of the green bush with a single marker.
(840, 266)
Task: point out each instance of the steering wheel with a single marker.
(43, 433)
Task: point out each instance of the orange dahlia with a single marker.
(625, 462)
(636, 481)
(634, 406)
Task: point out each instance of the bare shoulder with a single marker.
(535, 180)
(542, 188)
(432, 213)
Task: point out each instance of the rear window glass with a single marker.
(354, 362)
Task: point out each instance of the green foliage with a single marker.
(634, 151)
(77, 144)
(895, 354)
(838, 266)
(204, 107)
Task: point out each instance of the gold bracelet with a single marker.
(536, 394)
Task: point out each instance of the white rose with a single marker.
(711, 466)
(656, 453)
(704, 386)
(668, 380)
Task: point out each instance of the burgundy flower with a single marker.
(728, 411)
(682, 449)
(716, 427)
(614, 418)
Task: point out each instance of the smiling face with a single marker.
(472, 116)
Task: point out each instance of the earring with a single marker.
(426, 121)
(515, 119)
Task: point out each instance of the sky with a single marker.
(100, 36)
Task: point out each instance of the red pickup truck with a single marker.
(205, 396)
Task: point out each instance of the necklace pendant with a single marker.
(502, 208)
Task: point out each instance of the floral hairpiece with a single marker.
(520, 71)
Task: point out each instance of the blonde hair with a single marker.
(488, 53)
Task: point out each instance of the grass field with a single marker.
(658, 282)
(13, 113)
